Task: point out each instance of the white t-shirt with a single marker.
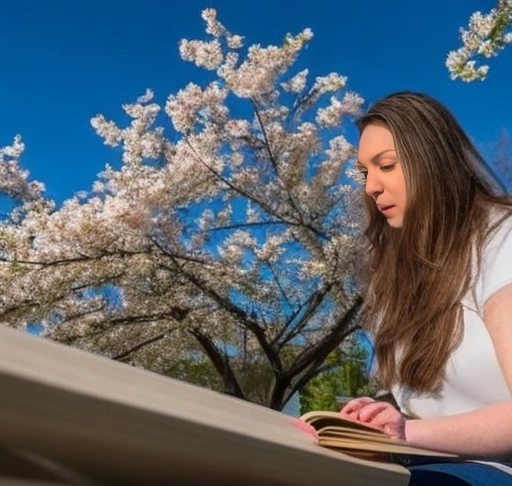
(473, 378)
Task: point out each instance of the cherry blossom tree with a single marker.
(224, 240)
(486, 35)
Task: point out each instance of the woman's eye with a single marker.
(386, 168)
(364, 173)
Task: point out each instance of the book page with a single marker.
(124, 426)
(319, 419)
(338, 432)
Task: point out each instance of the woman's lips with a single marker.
(385, 208)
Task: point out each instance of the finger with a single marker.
(352, 415)
(369, 412)
(355, 405)
(386, 418)
(392, 422)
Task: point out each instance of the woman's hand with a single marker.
(381, 415)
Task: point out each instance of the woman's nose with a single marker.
(373, 184)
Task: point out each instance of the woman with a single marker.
(439, 290)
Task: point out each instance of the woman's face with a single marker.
(385, 182)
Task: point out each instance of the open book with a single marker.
(361, 440)
(71, 417)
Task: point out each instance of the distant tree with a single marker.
(486, 35)
(343, 374)
(223, 241)
(501, 159)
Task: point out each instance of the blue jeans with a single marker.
(458, 474)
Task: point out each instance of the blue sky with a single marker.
(63, 61)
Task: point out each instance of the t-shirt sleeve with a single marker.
(496, 268)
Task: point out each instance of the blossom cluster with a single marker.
(485, 36)
(14, 181)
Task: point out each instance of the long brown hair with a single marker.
(418, 274)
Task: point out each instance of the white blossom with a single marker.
(331, 115)
(257, 75)
(203, 54)
(331, 82)
(15, 181)
(485, 36)
(192, 105)
(297, 83)
(213, 26)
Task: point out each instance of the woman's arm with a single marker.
(483, 432)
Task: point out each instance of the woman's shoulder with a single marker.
(499, 227)
(495, 270)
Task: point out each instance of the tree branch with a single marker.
(220, 362)
(125, 354)
(305, 366)
(312, 304)
(240, 314)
